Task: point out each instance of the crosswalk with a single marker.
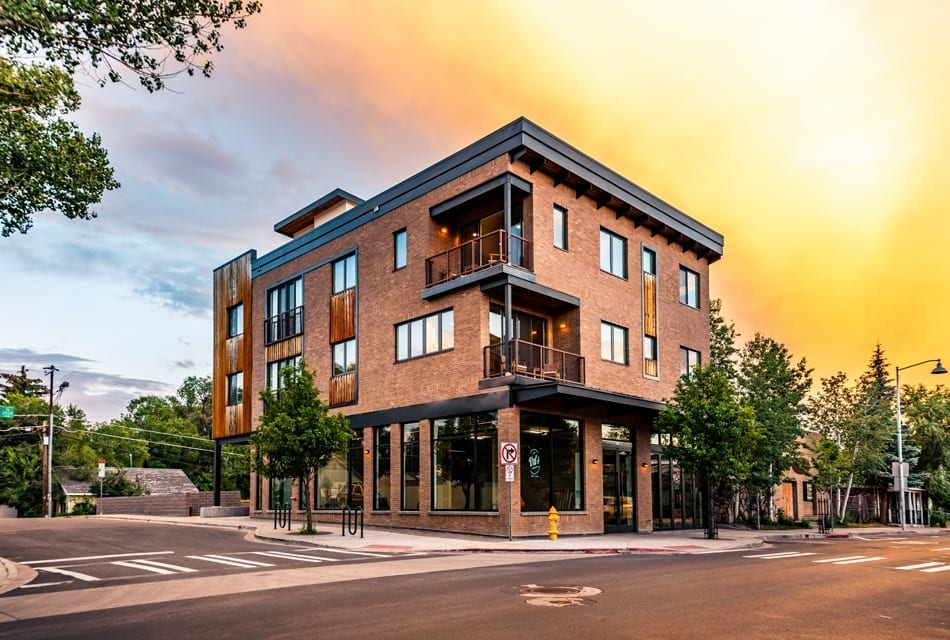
(90, 569)
(923, 567)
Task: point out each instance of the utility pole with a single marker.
(49, 445)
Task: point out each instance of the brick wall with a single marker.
(179, 504)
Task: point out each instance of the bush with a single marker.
(938, 519)
(84, 508)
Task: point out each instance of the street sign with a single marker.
(898, 476)
(6, 412)
(102, 468)
(508, 453)
(509, 473)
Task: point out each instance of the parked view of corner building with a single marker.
(516, 291)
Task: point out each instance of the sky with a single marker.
(813, 135)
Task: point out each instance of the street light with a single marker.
(900, 437)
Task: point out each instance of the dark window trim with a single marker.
(612, 235)
(626, 343)
(404, 234)
(564, 234)
(333, 283)
(686, 303)
(406, 323)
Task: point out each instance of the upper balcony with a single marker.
(286, 324)
(533, 360)
(482, 252)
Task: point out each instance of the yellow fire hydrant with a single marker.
(553, 519)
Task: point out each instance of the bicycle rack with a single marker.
(352, 518)
(282, 515)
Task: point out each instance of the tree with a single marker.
(712, 433)
(297, 434)
(874, 416)
(775, 389)
(928, 413)
(115, 483)
(45, 161)
(722, 340)
(23, 384)
(832, 414)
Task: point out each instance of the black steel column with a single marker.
(216, 500)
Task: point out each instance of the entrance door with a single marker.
(618, 487)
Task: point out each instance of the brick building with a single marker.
(517, 291)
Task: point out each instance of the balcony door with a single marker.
(530, 332)
(486, 240)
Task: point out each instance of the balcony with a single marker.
(534, 360)
(283, 325)
(497, 247)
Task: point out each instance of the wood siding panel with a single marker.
(232, 286)
(649, 304)
(343, 389)
(284, 349)
(343, 316)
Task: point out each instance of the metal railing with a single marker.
(283, 325)
(497, 247)
(533, 360)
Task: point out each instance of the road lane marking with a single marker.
(40, 585)
(294, 556)
(857, 560)
(359, 553)
(85, 577)
(781, 556)
(111, 555)
(143, 567)
(165, 565)
(946, 567)
(234, 562)
(923, 565)
(838, 559)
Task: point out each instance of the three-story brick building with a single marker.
(517, 291)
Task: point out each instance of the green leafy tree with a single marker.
(45, 161)
(723, 352)
(115, 483)
(874, 416)
(927, 412)
(297, 434)
(775, 388)
(713, 433)
(21, 479)
(832, 414)
(22, 384)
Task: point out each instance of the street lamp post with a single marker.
(900, 436)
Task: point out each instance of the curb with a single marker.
(13, 575)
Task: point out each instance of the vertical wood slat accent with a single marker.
(343, 389)
(649, 304)
(232, 286)
(343, 316)
(284, 349)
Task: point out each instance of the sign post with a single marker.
(508, 458)
(102, 474)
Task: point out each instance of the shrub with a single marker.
(84, 508)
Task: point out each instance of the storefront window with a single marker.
(281, 492)
(381, 446)
(465, 463)
(551, 469)
(340, 482)
(410, 466)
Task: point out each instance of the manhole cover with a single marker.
(542, 596)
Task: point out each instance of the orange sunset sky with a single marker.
(814, 135)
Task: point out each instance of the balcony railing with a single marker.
(284, 325)
(534, 360)
(497, 247)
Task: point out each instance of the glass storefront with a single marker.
(551, 469)
(617, 464)
(677, 495)
(465, 463)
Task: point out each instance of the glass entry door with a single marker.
(618, 487)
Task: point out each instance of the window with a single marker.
(613, 254)
(551, 469)
(274, 380)
(236, 388)
(284, 311)
(560, 228)
(613, 343)
(340, 482)
(465, 463)
(399, 249)
(808, 491)
(344, 357)
(235, 320)
(650, 365)
(281, 492)
(381, 446)
(689, 359)
(344, 274)
(422, 336)
(410, 466)
(689, 287)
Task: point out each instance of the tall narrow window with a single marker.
(689, 360)
(551, 467)
(284, 311)
(344, 274)
(650, 349)
(613, 343)
(689, 287)
(613, 253)
(399, 249)
(410, 466)
(273, 379)
(235, 320)
(344, 357)
(560, 227)
(236, 387)
(381, 446)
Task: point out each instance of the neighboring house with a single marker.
(155, 481)
(516, 292)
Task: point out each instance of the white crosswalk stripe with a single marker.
(922, 565)
(85, 577)
(234, 562)
(295, 556)
(860, 560)
(945, 567)
(837, 560)
(781, 556)
(161, 568)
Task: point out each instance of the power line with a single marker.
(155, 442)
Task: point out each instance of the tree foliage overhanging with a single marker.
(46, 162)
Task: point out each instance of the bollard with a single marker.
(553, 519)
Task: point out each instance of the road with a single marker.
(875, 588)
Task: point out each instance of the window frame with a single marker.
(471, 434)
(345, 270)
(689, 295)
(272, 378)
(559, 227)
(414, 334)
(283, 320)
(350, 359)
(613, 240)
(624, 334)
(382, 452)
(235, 319)
(686, 362)
(400, 249)
(549, 431)
(235, 388)
(408, 447)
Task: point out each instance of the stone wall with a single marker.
(179, 504)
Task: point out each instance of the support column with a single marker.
(216, 500)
